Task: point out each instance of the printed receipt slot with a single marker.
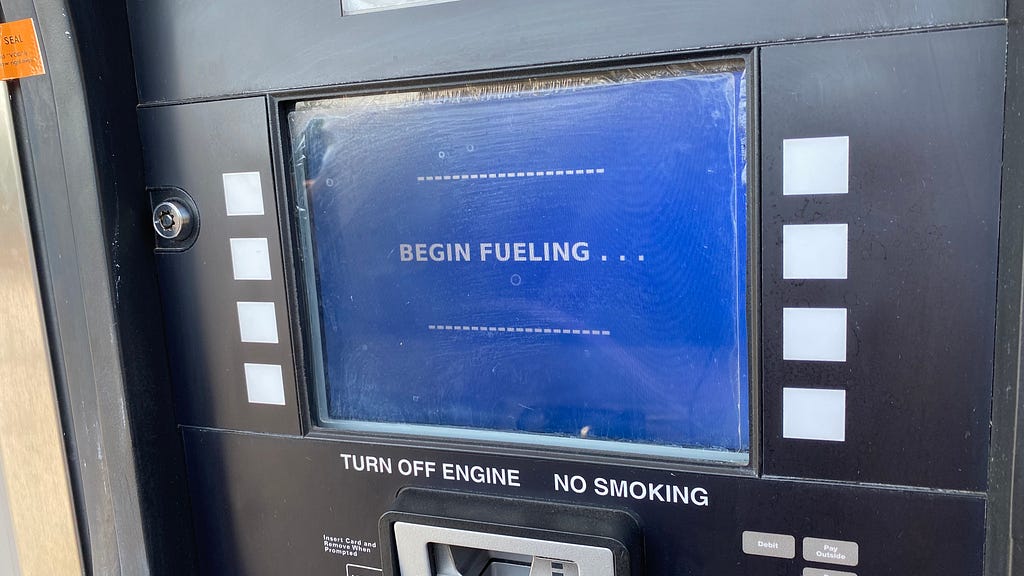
(453, 534)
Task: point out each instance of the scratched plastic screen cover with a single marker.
(553, 261)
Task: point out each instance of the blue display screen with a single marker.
(562, 258)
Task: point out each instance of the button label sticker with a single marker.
(814, 414)
(814, 334)
(816, 166)
(814, 251)
(243, 193)
(264, 384)
(250, 258)
(257, 322)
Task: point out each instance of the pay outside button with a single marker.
(831, 551)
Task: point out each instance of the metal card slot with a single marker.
(439, 551)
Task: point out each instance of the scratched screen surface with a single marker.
(562, 259)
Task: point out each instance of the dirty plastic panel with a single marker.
(563, 257)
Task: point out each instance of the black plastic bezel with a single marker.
(308, 369)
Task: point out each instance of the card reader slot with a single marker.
(439, 551)
(463, 561)
(440, 533)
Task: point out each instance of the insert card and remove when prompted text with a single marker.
(564, 257)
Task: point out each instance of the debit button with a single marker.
(768, 544)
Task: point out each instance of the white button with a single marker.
(250, 258)
(814, 251)
(243, 193)
(811, 414)
(816, 165)
(257, 322)
(264, 384)
(814, 334)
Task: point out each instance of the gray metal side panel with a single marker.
(38, 507)
(80, 158)
(8, 553)
(187, 49)
(1004, 553)
(73, 278)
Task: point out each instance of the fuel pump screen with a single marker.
(555, 261)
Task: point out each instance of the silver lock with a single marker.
(172, 220)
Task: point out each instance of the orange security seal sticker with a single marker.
(19, 50)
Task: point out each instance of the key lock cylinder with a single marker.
(175, 219)
(172, 220)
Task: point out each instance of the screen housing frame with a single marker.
(304, 318)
